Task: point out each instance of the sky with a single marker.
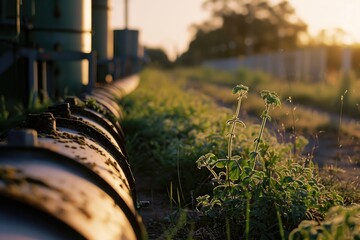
(167, 23)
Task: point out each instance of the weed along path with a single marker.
(201, 175)
(336, 153)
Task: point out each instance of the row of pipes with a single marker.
(64, 172)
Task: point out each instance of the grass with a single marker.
(294, 118)
(280, 190)
(340, 223)
(164, 129)
(307, 121)
(323, 95)
(12, 113)
(305, 105)
(176, 116)
(168, 122)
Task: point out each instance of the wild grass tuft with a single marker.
(175, 117)
(272, 200)
(340, 223)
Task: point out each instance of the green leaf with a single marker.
(221, 163)
(211, 158)
(288, 179)
(206, 160)
(241, 89)
(253, 155)
(234, 173)
(264, 114)
(230, 121)
(236, 157)
(204, 198)
(236, 120)
(201, 162)
(219, 191)
(215, 202)
(270, 98)
(301, 183)
(222, 174)
(247, 170)
(240, 122)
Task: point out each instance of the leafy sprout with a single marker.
(270, 98)
(241, 90)
(280, 193)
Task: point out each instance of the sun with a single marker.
(331, 15)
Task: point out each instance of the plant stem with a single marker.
(231, 136)
(339, 128)
(228, 233)
(294, 136)
(212, 171)
(247, 215)
(178, 174)
(281, 228)
(171, 197)
(262, 127)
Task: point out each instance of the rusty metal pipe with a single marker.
(64, 173)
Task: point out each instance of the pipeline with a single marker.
(64, 173)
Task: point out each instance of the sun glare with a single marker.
(331, 15)
(175, 33)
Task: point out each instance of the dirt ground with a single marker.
(337, 155)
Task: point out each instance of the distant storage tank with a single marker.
(102, 37)
(9, 35)
(9, 20)
(126, 47)
(63, 26)
(102, 40)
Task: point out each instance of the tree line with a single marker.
(246, 27)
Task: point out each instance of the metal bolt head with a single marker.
(44, 122)
(60, 110)
(22, 137)
(74, 101)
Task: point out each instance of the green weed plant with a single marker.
(4, 114)
(168, 127)
(169, 124)
(264, 193)
(340, 224)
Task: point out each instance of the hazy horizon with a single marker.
(168, 26)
